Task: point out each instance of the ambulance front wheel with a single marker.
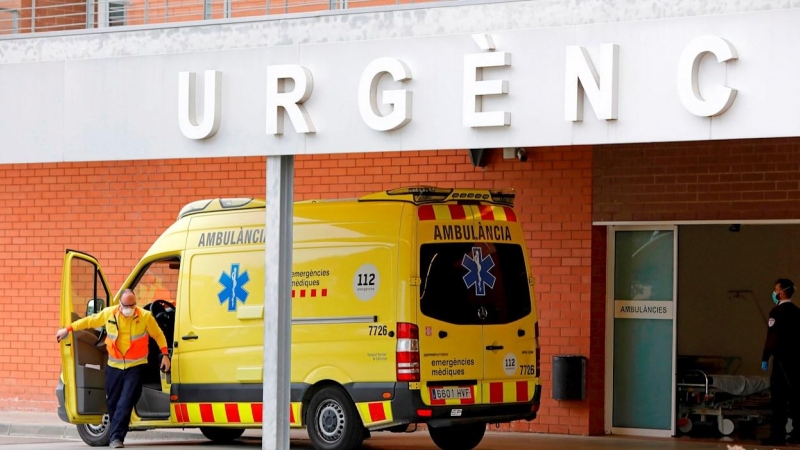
(95, 435)
(333, 421)
(458, 437)
(222, 435)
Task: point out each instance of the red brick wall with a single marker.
(746, 179)
(114, 210)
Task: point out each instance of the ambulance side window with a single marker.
(88, 293)
(159, 281)
(156, 290)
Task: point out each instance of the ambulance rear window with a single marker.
(474, 283)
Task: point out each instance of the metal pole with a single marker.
(278, 303)
(89, 14)
(102, 14)
(33, 16)
(146, 10)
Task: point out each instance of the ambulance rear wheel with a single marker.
(458, 437)
(333, 421)
(222, 435)
(96, 435)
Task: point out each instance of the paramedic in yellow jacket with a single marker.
(129, 329)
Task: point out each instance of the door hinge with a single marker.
(416, 281)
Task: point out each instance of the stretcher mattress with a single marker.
(739, 385)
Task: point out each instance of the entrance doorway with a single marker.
(692, 299)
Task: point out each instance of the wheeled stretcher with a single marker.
(725, 399)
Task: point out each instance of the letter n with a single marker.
(581, 79)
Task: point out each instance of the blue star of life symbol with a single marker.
(478, 269)
(233, 287)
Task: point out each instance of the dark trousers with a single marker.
(123, 389)
(785, 402)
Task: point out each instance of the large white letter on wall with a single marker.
(212, 106)
(581, 79)
(289, 101)
(688, 68)
(475, 87)
(400, 99)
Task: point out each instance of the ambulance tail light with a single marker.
(538, 349)
(407, 352)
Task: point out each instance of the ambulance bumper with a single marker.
(62, 410)
(407, 407)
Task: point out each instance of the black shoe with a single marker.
(116, 443)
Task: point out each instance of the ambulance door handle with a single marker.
(190, 336)
(442, 334)
(494, 347)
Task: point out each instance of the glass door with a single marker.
(642, 289)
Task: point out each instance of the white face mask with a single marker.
(127, 312)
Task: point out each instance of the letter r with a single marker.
(291, 102)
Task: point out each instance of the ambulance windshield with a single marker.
(474, 283)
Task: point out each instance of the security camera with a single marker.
(515, 152)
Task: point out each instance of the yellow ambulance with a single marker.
(409, 306)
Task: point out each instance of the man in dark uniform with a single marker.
(783, 345)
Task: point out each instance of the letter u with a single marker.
(212, 107)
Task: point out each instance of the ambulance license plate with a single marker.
(451, 393)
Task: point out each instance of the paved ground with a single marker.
(20, 430)
(415, 441)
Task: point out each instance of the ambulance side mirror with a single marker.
(94, 305)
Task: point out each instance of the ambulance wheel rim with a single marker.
(98, 430)
(330, 420)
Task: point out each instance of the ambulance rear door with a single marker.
(509, 333)
(477, 337)
(84, 291)
(450, 325)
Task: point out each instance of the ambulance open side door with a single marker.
(84, 291)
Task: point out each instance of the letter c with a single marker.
(688, 85)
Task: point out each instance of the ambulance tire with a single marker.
(222, 435)
(458, 437)
(333, 421)
(95, 435)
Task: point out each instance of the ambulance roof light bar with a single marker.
(422, 194)
(432, 194)
(503, 196)
(218, 204)
(419, 190)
